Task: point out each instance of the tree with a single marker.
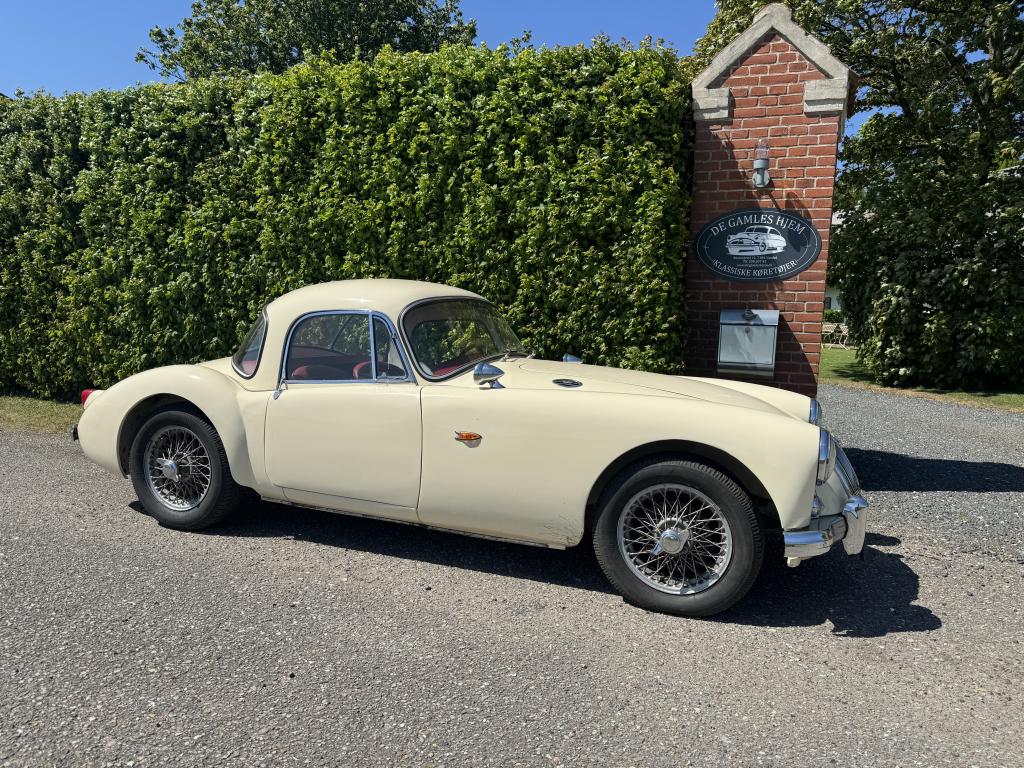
(223, 36)
(930, 255)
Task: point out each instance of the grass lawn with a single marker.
(29, 414)
(840, 366)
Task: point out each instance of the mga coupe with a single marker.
(417, 403)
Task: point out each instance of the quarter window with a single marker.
(389, 360)
(247, 358)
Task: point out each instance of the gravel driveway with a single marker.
(295, 637)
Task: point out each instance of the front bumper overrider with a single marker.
(846, 523)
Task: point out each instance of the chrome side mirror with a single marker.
(567, 358)
(487, 375)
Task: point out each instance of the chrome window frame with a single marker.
(371, 315)
(408, 342)
(259, 355)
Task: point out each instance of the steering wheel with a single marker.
(361, 370)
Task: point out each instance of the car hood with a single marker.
(541, 374)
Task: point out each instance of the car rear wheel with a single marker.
(180, 471)
(678, 537)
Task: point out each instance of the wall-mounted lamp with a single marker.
(761, 176)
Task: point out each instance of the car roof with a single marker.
(380, 294)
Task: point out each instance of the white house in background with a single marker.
(832, 300)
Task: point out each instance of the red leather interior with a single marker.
(450, 365)
(322, 372)
(318, 363)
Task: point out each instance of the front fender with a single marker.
(543, 450)
(111, 411)
(779, 452)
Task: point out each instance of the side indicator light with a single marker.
(467, 437)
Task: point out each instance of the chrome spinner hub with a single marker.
(672, 540)
(169, 469)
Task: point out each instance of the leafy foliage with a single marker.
(225, 36)
(930, 253)
(149, 226)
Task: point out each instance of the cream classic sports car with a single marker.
(416, 402)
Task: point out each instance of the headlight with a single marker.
(826, 456)
(816, 414)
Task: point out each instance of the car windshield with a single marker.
(451, 335)
(247, 358)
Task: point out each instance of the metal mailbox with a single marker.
(746, 342)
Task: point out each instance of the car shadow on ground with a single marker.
(867, 598)
(884, 471)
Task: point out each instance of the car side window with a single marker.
(330, 347)
(389, 360)
(247, 358)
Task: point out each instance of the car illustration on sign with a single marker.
(416, 402)
(756, 239)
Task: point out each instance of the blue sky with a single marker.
(85, 45)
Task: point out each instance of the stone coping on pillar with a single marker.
(830, 95)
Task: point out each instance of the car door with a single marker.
(343, 430)
(527, 474)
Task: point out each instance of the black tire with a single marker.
(223, 494)
(747, 551)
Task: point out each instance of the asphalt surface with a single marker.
(294, 637)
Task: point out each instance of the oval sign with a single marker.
(757, 245)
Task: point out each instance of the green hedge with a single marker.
(834, 316)
(148, 226)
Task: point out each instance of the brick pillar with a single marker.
(773, 82)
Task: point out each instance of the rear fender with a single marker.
(109, 424)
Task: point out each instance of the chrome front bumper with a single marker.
(824, 531)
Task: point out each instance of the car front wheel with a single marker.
(678, 537)
(180, 471)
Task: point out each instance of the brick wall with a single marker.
(767, 101)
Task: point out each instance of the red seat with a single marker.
(316, 372)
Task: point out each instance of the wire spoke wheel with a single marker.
(178, 468)
(675, 539)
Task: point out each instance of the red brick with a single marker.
(824, 150)
(735, 82)
(780, 79)
(787, 110)
(823, 129)
(747, 112)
